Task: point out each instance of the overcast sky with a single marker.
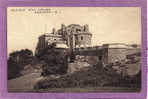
(107, 24)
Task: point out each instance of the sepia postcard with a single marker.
(83, 49)
(65, 52)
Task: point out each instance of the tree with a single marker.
(55, 61)
(17, 60)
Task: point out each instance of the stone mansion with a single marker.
(73, 35)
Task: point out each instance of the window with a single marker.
(54, 39)
(76, 37)
(78, 30)
(100, 57)
(81, 37)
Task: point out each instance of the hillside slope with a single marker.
(23, 83)
(94, 76)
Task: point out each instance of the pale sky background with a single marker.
(107, 24)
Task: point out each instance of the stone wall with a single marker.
(81, 62)
(133, 51)
(92, 56)
(113, 55)
(52, 39)
(83, 39)
(92, 60)
(116, 54)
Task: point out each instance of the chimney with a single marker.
(62, 26)
(54, 31)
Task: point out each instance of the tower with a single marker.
(86, 28)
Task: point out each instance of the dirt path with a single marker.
(23, 83)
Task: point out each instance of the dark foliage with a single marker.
(17, 60)
(55, 61)
(13, 69)
(94, 76)
(134, 45)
